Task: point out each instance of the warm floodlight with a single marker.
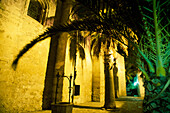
(111, 55)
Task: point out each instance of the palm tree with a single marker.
(99, 42)
(145, 24)
(155, 45)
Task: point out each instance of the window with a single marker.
(77, 90)
(36, 11)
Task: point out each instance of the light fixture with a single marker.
(111, 55)
(135, 83)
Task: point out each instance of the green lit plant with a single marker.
(155, 49)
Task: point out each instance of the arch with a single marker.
(38, 10)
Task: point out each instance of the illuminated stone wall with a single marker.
(121, 75)
(141, 91)
(98, 83)
(83, 78)
(98, 79)
(20, 90)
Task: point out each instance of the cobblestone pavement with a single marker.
(123, 105)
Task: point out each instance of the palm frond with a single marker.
(73, 49)
(48, 33)
(81, 51)
(108, 11)
(155, 43)
(96, 44)
(121, 50)
(51, 31)
(75, 46)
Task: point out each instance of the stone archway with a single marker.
(37, 9)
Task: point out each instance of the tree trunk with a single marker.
(56, 58)
(157, 97)
(109, 84)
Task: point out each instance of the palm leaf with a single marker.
(81, 51)
(75, 45)
(121, 50)
(76, 25)
(73, 49)
(109, 11)
(48, 33)
(156, 48)
(101, 23)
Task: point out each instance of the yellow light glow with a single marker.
(111, 55)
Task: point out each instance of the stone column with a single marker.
(141, 88)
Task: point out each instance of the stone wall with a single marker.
(121, 75)
(83, 78)
(98, 83)
(140, 86)
(20, 90)
(96, 79)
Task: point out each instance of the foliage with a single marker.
(76, 44)
(97, 16)
(154, 45)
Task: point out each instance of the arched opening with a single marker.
(37, 11)
(133, 87)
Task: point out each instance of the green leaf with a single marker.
(148, 9)
(165, 26)
(149, 0)
(148, 17)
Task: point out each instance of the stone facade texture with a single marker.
(83, 77)
(20, 90)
